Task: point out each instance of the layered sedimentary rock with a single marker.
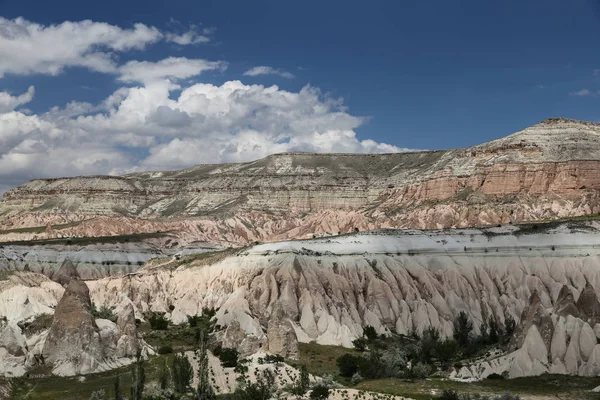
(549, 170)
(546, 277)
(399, 282)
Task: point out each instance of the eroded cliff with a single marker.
(549, 170)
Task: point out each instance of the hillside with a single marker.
(546, 171)
(400, 282)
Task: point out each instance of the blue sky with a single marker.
(421, 74)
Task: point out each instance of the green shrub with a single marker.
(273, 359)
(348, 365)
(193, 320)
(319, 392)
(370, 333)
(228, 357)
(420, 370)
(208, 312)
(103, 313)
(158, 322)
(360, 344)
(450, 394)
(166, 349)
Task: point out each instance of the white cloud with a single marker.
(9, 102)
(205, 123)
(172, 68)
(190, 37)
(581, 93)
(145, 125)
(28, 48)
(264, 70)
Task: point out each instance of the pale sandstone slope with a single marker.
(270, 296)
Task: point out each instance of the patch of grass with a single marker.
(559, 386)
(179, 337)
(55, 387)
(39, 229)
(84, 241)
(320, 359)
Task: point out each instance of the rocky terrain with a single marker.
(546, 171)
(269, 297)
(93, 260)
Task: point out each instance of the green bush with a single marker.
(360, 344)
(228, 357)
(103, 313)
(420, 371)
(450, 394)
(166, 349)
(193, 320)
(158, 322)
(319, 392)
(370, 333)
(348, 365)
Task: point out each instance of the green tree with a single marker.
(509, 328)
(182, 373)
(163, 377)
(228, 357)
(495, 331)
(462, 329)
(429, 344)
(204, 390)
(118, 389)
(347, 364)
(139, 378)
(370, 333)
(360, 344)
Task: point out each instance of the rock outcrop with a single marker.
(73, 345)
(79, 344)
(549, 170)
(328, 289)
(281, 335)
(65, 273)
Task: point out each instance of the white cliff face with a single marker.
(328, 289)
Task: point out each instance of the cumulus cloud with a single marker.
(158, 119)
(172, 68)
(205, 123)
(264, 70)
(29, 48)
(9, 102)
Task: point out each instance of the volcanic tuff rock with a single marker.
(549, 170)
(78, 344)
(73, 342)
(396, 281)
(65, 273)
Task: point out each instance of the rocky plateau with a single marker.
(549, 170)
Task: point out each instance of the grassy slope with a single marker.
(321, 360)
